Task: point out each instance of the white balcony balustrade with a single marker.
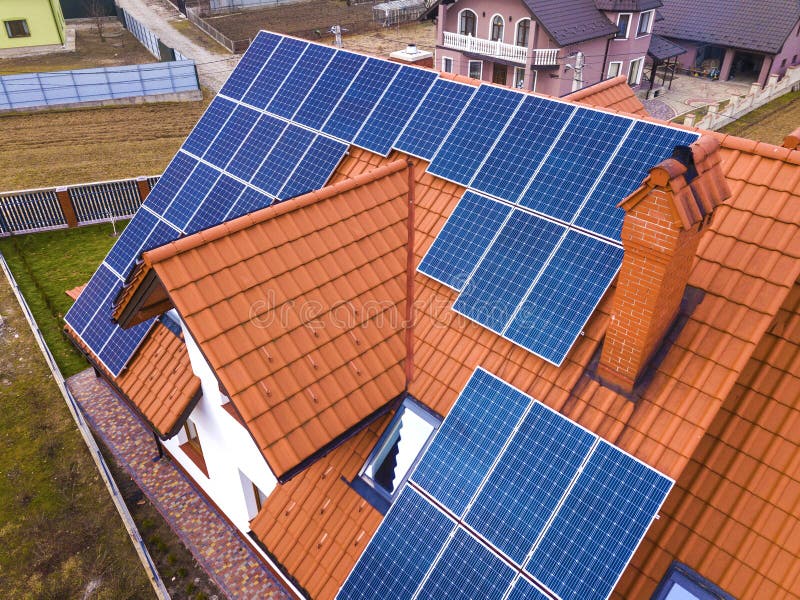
(510, 52)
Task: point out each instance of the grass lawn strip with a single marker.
(770, 123)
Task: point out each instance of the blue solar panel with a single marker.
(574, 163)
(173, 178)
(646, 146)
(282, 160)
(474, 134)
(524, 144)
(257, 146)
(302, 78)
(359, 100)
(570, 287)
(462, 241)
(231, 136)
(469, 440)
(210, 123)
(400, 552)
(435, 117)
(315, 168)
(392, 112)
(528, 483)
(249, 201)
(467, 569)
(506, 272)
(101, 326)
(601, 523)
(122, 344)
(329, 89)
(90, 299)
(525, 590)
(250, 64)
(191, 195)
(130, 242)
(216, 205)
(271, 77)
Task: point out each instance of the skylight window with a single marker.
(399, 449)
(683, 583)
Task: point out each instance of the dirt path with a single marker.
(214, 65)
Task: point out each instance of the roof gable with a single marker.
(571, 22)
(298, 309)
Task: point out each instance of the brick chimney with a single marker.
(664, 219)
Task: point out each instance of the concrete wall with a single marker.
(229, 451)
(44, 19)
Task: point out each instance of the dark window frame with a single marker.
(11, 23)
(627, 35)
(650, 16)
(468, 23)
(691, 581)
(497, 29)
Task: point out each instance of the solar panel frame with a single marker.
(424, 134)
(474, 135)
(380, 130)
(83, 310)
(299, 82)
(504, 274)
(406, 510)
(250, 65)
(208, 126)
(121, 344)
(231, 136)
(453, 264)
(287, 152)
(315, 168)
(583, 506)
(280, 63)
(170, 182)
(191, 195)
(523, 589)
(560, 301)
(216, 205)
(253, 152)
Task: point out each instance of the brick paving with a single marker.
(215, 544)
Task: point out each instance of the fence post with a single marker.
(143, 187)
(67, 207)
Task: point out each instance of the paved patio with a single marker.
(689, 93)
(228, 560)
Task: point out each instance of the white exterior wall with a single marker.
(228, 448)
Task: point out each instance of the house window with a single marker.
(519, 77)
(468, 23)
(399, 448)
(17, 28)
(614, 68)
(523, 31)
(645, 23)
(683, 583)
(192, 448)
(447, 64)
(783, 63)
(794, 59)
(498, 24)
(623, 26)
(635, 71)
(476, 69)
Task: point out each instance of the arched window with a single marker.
(497, 28)
(468, 23)
(523, 30)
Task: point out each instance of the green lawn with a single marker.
(47, 264)
(60, 535)
(770, 123)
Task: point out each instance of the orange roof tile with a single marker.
(160, 381)
(614, 93)
(297, 308)
(75, 292)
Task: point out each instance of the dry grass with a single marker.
(770, 123)
(77, 146)
(119, 48)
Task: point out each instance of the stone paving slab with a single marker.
(215, 544)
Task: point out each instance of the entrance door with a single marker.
(500, 74)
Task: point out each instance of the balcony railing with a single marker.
(510, 52)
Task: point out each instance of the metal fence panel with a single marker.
(31, 90)
(31, 210)
(143, 34)
(101, 201)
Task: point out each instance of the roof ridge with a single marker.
(216, 232)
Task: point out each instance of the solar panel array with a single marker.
(511, 501)
(534, 244)
(279, 128)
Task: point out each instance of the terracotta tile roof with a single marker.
(315, 525)
(613, 94)
(160, 381)
(296, 307)
(733, 515)
(743, 282)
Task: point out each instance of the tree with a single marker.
(97, 10)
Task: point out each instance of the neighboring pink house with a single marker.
(549, 46)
